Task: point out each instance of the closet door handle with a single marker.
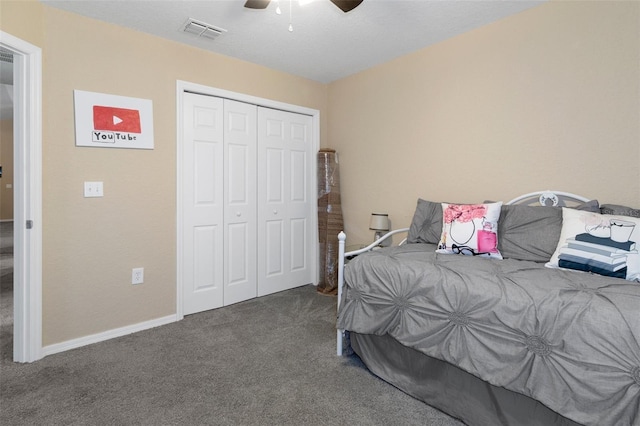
(275, 212)
(238, 214)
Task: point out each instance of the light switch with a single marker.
(93, 189)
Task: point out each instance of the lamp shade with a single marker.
(379, 222)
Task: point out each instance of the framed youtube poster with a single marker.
(111, 121)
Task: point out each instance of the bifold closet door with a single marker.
(240, 199)
(286, 200)
(219, 202)
(203, 203)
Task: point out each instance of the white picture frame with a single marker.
(112, 121)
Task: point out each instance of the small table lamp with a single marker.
(379, 223)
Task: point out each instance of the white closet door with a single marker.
(286, 200)
(203, 203)
(240, 214)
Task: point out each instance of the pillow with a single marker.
(532, 232)
(426, 225)
(619, 210)
(598, 243)
(529, 232)
(589, 206)
(470, 229)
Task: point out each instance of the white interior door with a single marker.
(203, 203)
(286, 200)
(240, 214)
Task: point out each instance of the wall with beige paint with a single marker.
(90, 245)
(23, 19)
(6, 161)
(546, 99)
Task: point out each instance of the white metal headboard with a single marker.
(549, 198)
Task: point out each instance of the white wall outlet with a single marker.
(137, 276)
(93, 189)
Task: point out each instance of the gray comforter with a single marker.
(568, 339)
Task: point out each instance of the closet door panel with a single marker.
(203, 204)
(239, 247)
(298, 244)
(272, 215)
(284, 152)
(300, 198)
(273, 255)
(205, 249)
(240, 213)
(274, 179)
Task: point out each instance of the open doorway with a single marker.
(6, 204)
(27, 197)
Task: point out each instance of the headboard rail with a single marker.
(549, 198)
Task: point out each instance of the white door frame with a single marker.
(185, 86)
(27, 143)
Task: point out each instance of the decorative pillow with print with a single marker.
(470, 229)
(599, 243)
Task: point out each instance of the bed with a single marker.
(533, 337)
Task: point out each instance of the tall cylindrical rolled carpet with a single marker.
(329, 219)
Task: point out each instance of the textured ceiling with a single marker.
(325, 45)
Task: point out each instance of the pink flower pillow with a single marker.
(470, 229)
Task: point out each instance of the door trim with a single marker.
(27, 141)
(185, 86)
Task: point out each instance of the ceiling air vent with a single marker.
(6, 56)
(201, 29)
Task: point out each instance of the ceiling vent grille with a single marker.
(202, 29)
(6, 56)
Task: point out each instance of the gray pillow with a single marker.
(426, 225)
(532, 232)
(588, 206)
(619, 210)
(528, 232)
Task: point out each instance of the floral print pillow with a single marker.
(470, 229)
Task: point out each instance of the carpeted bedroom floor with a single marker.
(267, 361)
(6, 285)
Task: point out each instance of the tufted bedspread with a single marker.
(570, 340)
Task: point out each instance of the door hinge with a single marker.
(29, 224)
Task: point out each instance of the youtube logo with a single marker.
(112, 121)
(116, 119)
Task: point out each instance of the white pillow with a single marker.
(470, 229)
(599, 243)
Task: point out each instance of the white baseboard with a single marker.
(106, 335)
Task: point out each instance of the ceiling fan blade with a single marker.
(257, 4)
(347, 5)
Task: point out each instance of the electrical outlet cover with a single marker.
(137, 276)
(93, 189)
